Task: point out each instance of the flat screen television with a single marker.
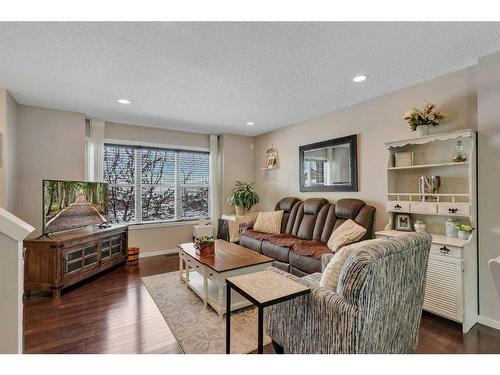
(73, 204)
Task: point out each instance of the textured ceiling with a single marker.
(214, 77)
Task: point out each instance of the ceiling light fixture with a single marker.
(360, 78)
(250, 123)
(124, 101)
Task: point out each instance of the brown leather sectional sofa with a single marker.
(305, 230)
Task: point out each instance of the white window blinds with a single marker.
(149, 184)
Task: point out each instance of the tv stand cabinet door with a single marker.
(79, 262)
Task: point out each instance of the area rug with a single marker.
(198, 329)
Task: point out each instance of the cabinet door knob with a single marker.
(444, 250)
(397, 207)
(452, 210)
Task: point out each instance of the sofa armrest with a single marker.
(325, 259)
(319, 322)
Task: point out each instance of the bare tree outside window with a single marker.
(163, 184)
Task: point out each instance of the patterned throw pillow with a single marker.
(331, 273)
(347, 233)
(269, 222)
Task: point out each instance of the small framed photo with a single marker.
(403, 222)
(403, 159)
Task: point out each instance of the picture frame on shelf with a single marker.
(403, 159)
(403, 222)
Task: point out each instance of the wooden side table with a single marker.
(263, 289)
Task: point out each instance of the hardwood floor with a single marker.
(114, 313)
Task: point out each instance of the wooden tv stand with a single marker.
(52, 264)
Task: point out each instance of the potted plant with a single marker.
(464, 231)
(422, 119)
(243, 197)
(205, 246)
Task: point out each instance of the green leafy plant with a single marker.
(428, 115)
(206, 240)
(243, 195)
(464, 228)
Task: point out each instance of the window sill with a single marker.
(164, 224)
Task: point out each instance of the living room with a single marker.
(242, 187)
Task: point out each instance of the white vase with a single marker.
(463, 235)
(423, 130)
(451, 228)
(420, 226)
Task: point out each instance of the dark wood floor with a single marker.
(114, 313)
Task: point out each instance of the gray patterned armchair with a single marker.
(376, 308)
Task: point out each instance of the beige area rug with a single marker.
(198, 329)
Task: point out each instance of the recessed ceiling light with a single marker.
(250, 123)
(124, 101)
(360, 78)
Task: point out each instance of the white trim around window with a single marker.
(125, 142)
(161, 224)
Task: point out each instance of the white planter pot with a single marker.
(423, 130)
(463, 235)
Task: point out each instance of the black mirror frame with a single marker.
(353, 142)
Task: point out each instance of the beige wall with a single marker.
(3, 148)
(8, 135)
(9, 294)
(161, 238)
(11, 152)
(489, 182)
(51, 145)
(375, 121)
(238, 164)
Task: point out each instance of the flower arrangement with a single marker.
(206, 240)
(428, 115)
(464, 228)
(464, 231)
(205, 246)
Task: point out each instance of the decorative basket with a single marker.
(204, 250)
(133, 255)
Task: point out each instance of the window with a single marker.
(149, 184)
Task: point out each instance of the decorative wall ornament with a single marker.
(271, 160)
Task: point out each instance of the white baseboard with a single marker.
(489, 322)
(158, 252)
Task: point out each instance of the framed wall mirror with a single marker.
(329, 166)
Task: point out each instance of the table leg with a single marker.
(205, 287)
(187, 274)
(260, 339)
(220, 300)
(228, 319)
(181, 266)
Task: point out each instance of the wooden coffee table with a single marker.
(206, 276)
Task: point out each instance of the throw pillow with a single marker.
(347, 233)
(331, 273)
(269, 222)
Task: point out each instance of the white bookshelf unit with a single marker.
(451, 289)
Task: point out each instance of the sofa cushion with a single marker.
(275, 251)
(251, 243)
(331, 273)
(311, 248)
(304, 263)
(348, 208)
(345, 234)
(289, 207)
(269, 222)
